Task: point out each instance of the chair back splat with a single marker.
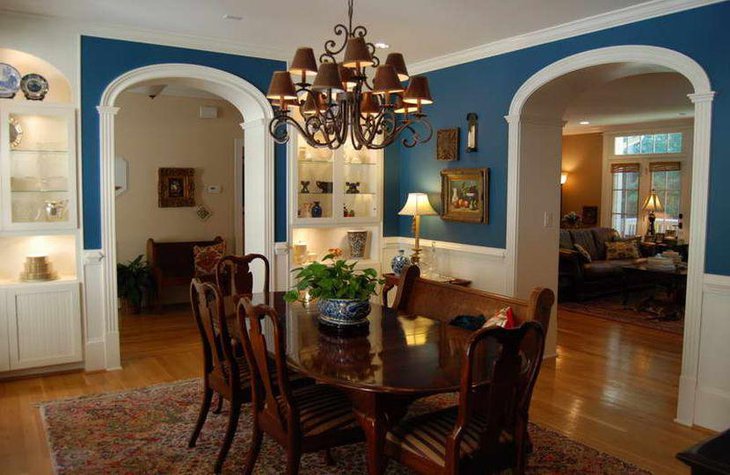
(234, 277)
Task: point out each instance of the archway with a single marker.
(524, 206)
(258, 176)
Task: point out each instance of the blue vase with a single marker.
(316, 210)
(400, 262)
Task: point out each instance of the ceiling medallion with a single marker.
(341, 102)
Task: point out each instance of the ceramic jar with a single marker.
(316, 210)
(400, 262)
(343, 312)
(357, 240)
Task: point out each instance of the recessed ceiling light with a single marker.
(382, 45)
(584, 122)
(228, 16)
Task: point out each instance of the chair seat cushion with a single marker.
(426, 435)
(322, 408)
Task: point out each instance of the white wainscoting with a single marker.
(94, 321)
(280, 279)
(484, 266)
(712, 397)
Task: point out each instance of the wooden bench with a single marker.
(441, 301)
(172, 263)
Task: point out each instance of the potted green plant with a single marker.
(342, 292)
(134, 280)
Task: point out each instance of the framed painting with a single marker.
(176, 187)
(465, 195)
(590, 215)
(447, 145)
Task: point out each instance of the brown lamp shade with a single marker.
(403, 108)
(328, 77)
(357, 54)
(418, 91)
(303, 62)
(347, 76)
(386, 80)
(281, 87)
(315, 102)
(369, 104)
(396, 60)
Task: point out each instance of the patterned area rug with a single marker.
(145, 431)
(612, 308)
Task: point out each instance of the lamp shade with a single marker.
(396, 60)
(403, 108)
(328, 77)
(315, 102)
(303, 62)
(386, 80)
(418, 91)
(417, 204)
(652, 203)
(563, 178)
(281, 87)
(348, 78)
(357, 54)
(369, 104)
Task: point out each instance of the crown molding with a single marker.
(603, 21)
(158, 37)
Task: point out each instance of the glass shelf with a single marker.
(39, 191)
(16, 151)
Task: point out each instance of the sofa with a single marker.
(579, 279)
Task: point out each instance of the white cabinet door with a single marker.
(44, 325)
(4, 342)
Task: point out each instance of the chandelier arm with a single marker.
(330, 46)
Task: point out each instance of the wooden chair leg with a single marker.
(230, 433)
(293, 457)
(257, 438)
(219, 405)
(202, 415)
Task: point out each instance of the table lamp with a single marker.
(417, 205)
(652, 205)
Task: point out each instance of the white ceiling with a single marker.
(421, 29)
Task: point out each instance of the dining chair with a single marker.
(225, 373)
(487, 431)
(234, 277)
(306, 419)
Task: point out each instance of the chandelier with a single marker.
(341, 101)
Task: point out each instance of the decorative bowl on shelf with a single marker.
(343, 312)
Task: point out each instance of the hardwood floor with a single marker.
(613, 387)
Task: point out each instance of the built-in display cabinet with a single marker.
(333, 192)
(40, 239)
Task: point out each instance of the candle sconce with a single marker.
(471, 136)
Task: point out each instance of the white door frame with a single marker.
(238, 163)
(259, 173)
(702, 99)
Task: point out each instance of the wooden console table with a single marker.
(391, 280)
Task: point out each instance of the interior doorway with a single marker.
(535, 142)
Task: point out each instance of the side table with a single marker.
(391, 280)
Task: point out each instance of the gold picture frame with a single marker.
(176, 187)
(465, 195)
(447, 145)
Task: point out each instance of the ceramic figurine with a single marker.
(305, 186)
(352, 187)
(400, 262)
(316, 210)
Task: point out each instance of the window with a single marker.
(666, 181)
(648, 144)
(625, 197)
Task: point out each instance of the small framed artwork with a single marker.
(203, 213)
(465, 195)
(590, 215)
(176, 187)
(471, 136)
(447, 145)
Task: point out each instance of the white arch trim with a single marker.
(702, 99)
(258, 175)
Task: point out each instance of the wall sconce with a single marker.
(563, 178)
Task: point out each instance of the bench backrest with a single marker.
(441, 301)
(175, 258)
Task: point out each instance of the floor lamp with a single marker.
(417, 205)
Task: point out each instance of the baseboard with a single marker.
(712, 409)
(95, 355)
(686, 401)
(113, 355)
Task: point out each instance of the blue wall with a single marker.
(103, 60)
(487, 87)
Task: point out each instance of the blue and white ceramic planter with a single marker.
(343, 312)
(400, 262)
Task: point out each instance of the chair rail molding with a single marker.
(702, 99)
(258, 174)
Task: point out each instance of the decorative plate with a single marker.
(9, 81)
(34, 86)
(16, 132)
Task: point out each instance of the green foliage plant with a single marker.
(336, 280)
(133, 280)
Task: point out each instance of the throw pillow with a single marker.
(502, 318)
(584, 255)
(622, 250)
(206, 258)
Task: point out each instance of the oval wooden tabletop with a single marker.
(399, 354)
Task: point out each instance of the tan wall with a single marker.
(582, 160)
(167, 132)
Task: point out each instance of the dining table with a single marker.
(396, 360)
